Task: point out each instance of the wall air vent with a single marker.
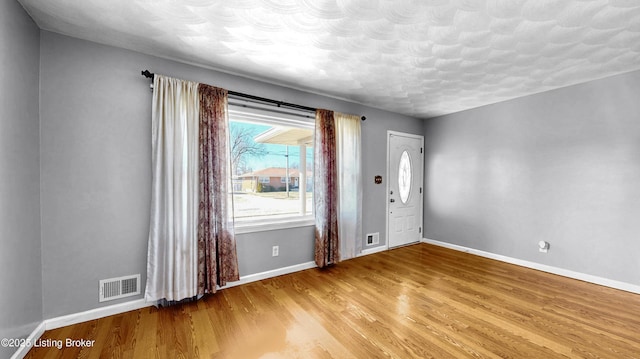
(373, 239)
(116, 288)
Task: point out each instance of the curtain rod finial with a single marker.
(147, 74)
(363, 118)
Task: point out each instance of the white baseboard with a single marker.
(35, 335)
(373, 250)
(271, 273)
(96, 313)
(541, 267)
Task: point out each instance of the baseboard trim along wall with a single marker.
(102, 312)
(373, 250)
(271, 273)
(35, 335)
(97, 313)
(541, 267)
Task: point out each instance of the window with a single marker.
(404, 176)
(272, 166)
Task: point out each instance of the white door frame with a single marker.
(387, 195)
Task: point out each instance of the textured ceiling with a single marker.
(420, 58)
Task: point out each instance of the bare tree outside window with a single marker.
(242, 147)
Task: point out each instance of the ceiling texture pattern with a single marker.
(421, 58)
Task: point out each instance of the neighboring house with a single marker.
(272, 179)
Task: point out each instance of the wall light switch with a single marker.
(275, 251)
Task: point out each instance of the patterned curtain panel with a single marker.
(217, 259)
(349, 167)
(327, 244)
(172, 251)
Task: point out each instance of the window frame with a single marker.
(250, 112)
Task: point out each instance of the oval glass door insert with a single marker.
(404, 176)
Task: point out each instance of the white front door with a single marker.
(405, 162)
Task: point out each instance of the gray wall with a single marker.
(254, 249)
(20, 268)
(561, 166)
(95, 139)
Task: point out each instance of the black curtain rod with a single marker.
(149, 75)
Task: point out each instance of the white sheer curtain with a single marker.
(173, 252)
(349, 168)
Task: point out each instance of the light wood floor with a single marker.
(420, 301)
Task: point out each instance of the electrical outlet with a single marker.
(275, 251)
(543, 246)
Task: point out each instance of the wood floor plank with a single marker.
(420, 301)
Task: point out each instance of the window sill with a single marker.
(242, 227)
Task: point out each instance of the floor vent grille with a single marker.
(115, 288)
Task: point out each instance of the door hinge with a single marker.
(420, 149)
(420, 189)
(419, 229)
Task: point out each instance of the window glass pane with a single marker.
(404, 176)
(267, 166)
